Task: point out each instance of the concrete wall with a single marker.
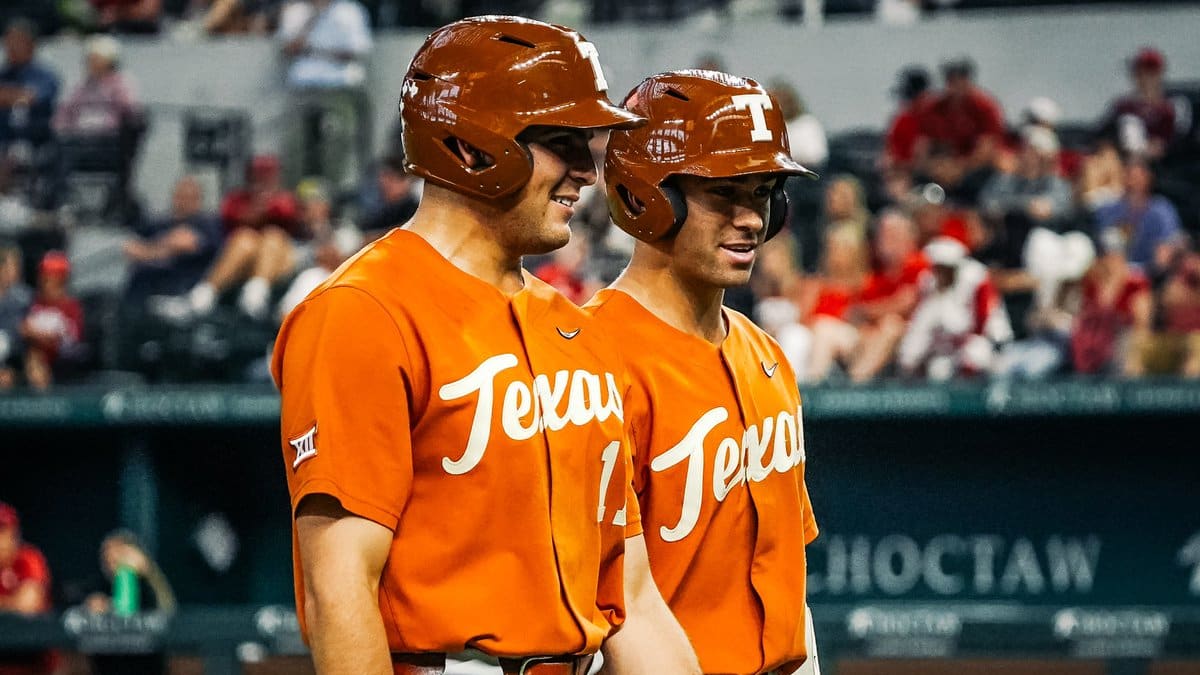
(843, 69)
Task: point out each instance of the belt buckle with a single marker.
(530, 661)
(574, 663)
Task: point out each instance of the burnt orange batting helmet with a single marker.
(486, 79)
(702, 123)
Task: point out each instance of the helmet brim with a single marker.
(594, 114)
(719, 165)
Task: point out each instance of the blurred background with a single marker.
(991, 298)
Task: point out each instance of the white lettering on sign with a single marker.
(951, 565)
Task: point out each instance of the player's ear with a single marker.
(471, 156)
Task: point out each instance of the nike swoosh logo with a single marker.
(770, 370)
(567, 335)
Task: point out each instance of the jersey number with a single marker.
(609, 458)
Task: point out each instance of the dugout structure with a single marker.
(968, 527)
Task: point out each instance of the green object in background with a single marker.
(126, 594)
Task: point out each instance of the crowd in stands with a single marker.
(955, 241)
(127, 581)
(970, 248)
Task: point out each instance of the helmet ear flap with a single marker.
(678, 203)
(643, 210)
(777, 211)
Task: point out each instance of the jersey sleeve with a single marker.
(341, 366)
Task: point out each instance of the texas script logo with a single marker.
(527, 410)
(733, 463)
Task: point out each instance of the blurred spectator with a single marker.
(53, 328)
(889, 295)
(170, 255)
(1146, 225)
(15, 299)
(329, 253)
(965, 127)
(24, 589)
(904, 131)
(262, 223)
(28, 91)
(775, 285)
(844, 207)
(898, 12)
(234, 17)
(1142, 122)
(927, 204)
(566, 270)
(328, 247)
(1025, 193)
(1043, 112)
(1057, 263)
(710, 61)
(1115, 317)
(1176, 350)
(806, 136)
(959, 320)
(106, 102)
(327, 43)
(398, 196)
(825, 303)
(120, 550)
(1101, 179)
(128, 16)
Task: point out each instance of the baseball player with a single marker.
(713, 409)
(452, 428)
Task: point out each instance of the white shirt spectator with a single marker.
(807, 139)
(955, 329)
(341, 27)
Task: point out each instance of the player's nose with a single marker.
(748, 218)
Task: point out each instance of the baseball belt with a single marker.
(435, 664)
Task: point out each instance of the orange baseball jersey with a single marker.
(718, 468)
(485, 431)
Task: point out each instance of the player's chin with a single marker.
(734, 276)
(551, 237)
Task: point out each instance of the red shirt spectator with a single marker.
(263, 202)
(24, 589)
(1108, 308)
(564, 281)
(565, 270)
(904, 132)
(961, 122)
(55, 319)
(1158, 116)
(27, 567)
(1143, 121)
(106, 102)
(833, 300)
(900, 144)
(882, 284)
